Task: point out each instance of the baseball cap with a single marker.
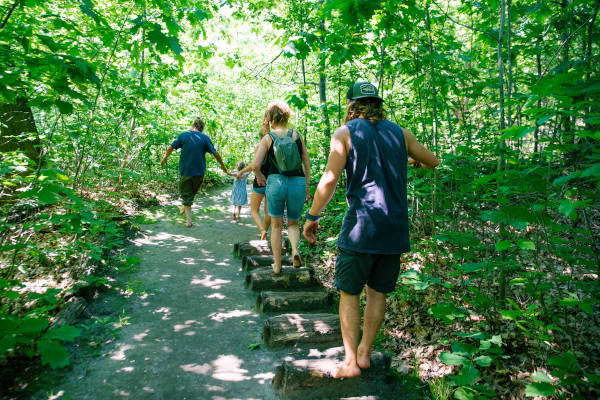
(362, 90)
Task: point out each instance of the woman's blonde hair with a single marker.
(278, 112)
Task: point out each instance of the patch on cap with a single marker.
(368, 89)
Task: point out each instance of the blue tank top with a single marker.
(377, 218)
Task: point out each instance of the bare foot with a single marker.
(346, 371)
(276, 270)
(297, 261)
(188, 224)
(363, 358)
(263, 235)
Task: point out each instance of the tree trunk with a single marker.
(286, 329)
(17, 125)
(502, 123)
(323, 84)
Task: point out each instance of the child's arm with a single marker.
(260, 155)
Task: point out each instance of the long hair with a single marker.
(278, 112)
(367, 108)
(198, 124)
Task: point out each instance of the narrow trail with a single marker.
(187, 337)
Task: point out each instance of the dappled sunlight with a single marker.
(163, 238)
(227, 368)
(127, 369)
(203, 369)
(264, 377)
(119, 355)
(166, 311)
(209, 282)
(214, 388)
(140, 336)
(187, 261)
(296, 319)
(220, 317)
(215, 296)
(148, 389)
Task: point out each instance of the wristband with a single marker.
(311, 217)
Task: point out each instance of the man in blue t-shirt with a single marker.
(192, 163)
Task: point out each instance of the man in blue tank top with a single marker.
(375, 154)
(192, 164)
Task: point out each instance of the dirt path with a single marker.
(187, 336)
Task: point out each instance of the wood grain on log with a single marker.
(250, 263)
(269, 301)
(289, 278)
(302, 328)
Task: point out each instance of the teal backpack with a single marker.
(287, 157)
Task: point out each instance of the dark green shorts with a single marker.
(353, 270)
(188, 187)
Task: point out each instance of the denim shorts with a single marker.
(259, 190)
(286, 192)
(378, 271)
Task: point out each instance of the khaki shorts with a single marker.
(188, 187)
(354, 270)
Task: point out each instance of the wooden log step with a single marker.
(302, 328)
(289, 278)
(258, 247)
(250, 263)
(287, 301)
(312, 378)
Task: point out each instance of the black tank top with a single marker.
(377, 218)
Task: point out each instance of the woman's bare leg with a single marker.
(294, 235)
(255, 200)
(277, 227)
(267, 222)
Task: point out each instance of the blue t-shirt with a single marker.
(194, 145)
(377, 218)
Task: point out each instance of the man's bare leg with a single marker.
(374, 312)
(350, 322)
(188, 215)
(277, 227)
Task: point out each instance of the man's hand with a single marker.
(240, 175)
(261, 181)
(310, 230)
(414, 162)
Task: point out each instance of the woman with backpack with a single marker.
(288, 177)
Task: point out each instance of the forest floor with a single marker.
(187, 327)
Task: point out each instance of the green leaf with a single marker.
(545, 118)
(33, 325)
(525, 244)
(483, 361)
(64, 107)
(468, 374)
(7, 343)
(465, 393)
(473, 267)
(565, 361)
(53, 353)
(66, 333)
(503, 245)
(516, 132)
(452, 358)
(539, 376)
(253, 346)
(539, 389)
(566, 207)
(594, 170)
